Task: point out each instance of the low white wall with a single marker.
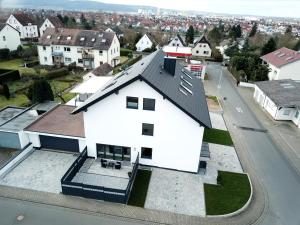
(247, 85)
(16, 161)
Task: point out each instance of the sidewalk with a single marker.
(284, 133)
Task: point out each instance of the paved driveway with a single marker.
(41, 171)
(176, 192)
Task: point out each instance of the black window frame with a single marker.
(128, 99)
(149, 106)
(148, 129)
(143, 156)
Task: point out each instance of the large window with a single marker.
(132, 102)
(147, 129)
(67, 49)
(146, 153)
(149, 104)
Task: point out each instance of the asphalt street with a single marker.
(279, 179)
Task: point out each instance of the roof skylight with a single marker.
(186, 81)
(82, 38)
(109, 85)
(49, 37)
(186, 88)
(69, 38)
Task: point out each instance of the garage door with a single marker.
(64, 144)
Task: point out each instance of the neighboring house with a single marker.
(159, 113)
(116, 30)
(202, 48)
(145, 42)
(24, 24)
(101, 71)
(51, 21)
(9, 37)
(177, 42)
(87, 48)
(177, 51)
(280, 98)
(283, 63)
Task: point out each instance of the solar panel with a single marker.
(109, 85)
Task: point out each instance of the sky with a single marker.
(281, 8)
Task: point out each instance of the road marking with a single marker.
(239, 109)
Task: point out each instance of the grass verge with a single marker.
(140, 187)
(231, 195)
(216, 136)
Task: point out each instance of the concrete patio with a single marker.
(177, 192)
(41, 171)
(217, 121)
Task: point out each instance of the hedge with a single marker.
(4, 53)
(33, 63)
(9, 75)
(57, 73)
(125, 52)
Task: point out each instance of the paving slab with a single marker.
(176, 192)
(217, 121)
(41, 171)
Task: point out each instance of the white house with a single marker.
(283, 63)
(9, 37)
(280, 98)
(157, 113)
(51, 21)
(24, 24)
(202, 48)
(177, 42)
(87, 48)
(145, 42)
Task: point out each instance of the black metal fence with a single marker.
(92, 191)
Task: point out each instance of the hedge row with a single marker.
(9, 75)
(125, 52)
(33, 63)
(57, 73)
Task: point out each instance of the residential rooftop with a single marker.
(284, 93)
(281, 57)
(59, 121)
(182, 89)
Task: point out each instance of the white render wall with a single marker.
(45, 25)
(177, 138)
(143, 43)
(9, 38)
(200, 48)
(28, 31)
(289, 71)
(176, 42)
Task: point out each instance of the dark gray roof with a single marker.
(55, 21)
(149, 70)
(24, 19)
(284, 93)
(85, 38)
(202, 39)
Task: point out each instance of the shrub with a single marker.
(6, 92)
(33, 63)
(57, 73)
(40, 91)
(219, 180)
(9, 75)
(125, 52)
(4, 53)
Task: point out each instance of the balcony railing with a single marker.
(87, 56)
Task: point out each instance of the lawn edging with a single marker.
(239, 210)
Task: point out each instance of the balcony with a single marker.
(57, 54)
(87, 56)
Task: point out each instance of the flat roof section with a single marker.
(8, 113)
(59, 121)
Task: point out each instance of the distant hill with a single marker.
(72, 5)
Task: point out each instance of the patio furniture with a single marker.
(202, 167)
(103, 163)
(118, 165)
(111, 164)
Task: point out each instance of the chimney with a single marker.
(170, 65)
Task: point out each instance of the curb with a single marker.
(239, 210)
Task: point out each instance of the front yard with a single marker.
(16, 64)
(230, 195)
(216, 136)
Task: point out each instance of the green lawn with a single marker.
(231, 195)
(14, 64)
(216, 136)
(19, 100)
(140, 187)
(123, 59)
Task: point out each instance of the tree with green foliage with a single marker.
(65, 20)
(138, 36)
(6, 92)
(215, 35)
(40, 91)
(60, 17)
(270, 46)
(4, 53)
(216, 54)
(71, 23)
(289, 30)
(235, 31)
(261, 73)
(297, 46)
(232, 50)
(190, 34)
(253, 30)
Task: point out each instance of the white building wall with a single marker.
(45, 25)
(177, 138)
(24, 139)
(289, 71)
(45, 56)
(28, 31)
(202, 50)
(9, 38)
(296, 118)
(175, 42)
(143, 43)
(34, 139)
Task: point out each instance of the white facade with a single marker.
(277, 113)
(143, 43)
(177, 139)
(28, 31)
(201, 50)
(176, 42)
(47, 23)
(288, 71)
(9, 38)
(70, 54)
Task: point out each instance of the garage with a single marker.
(58, 143)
